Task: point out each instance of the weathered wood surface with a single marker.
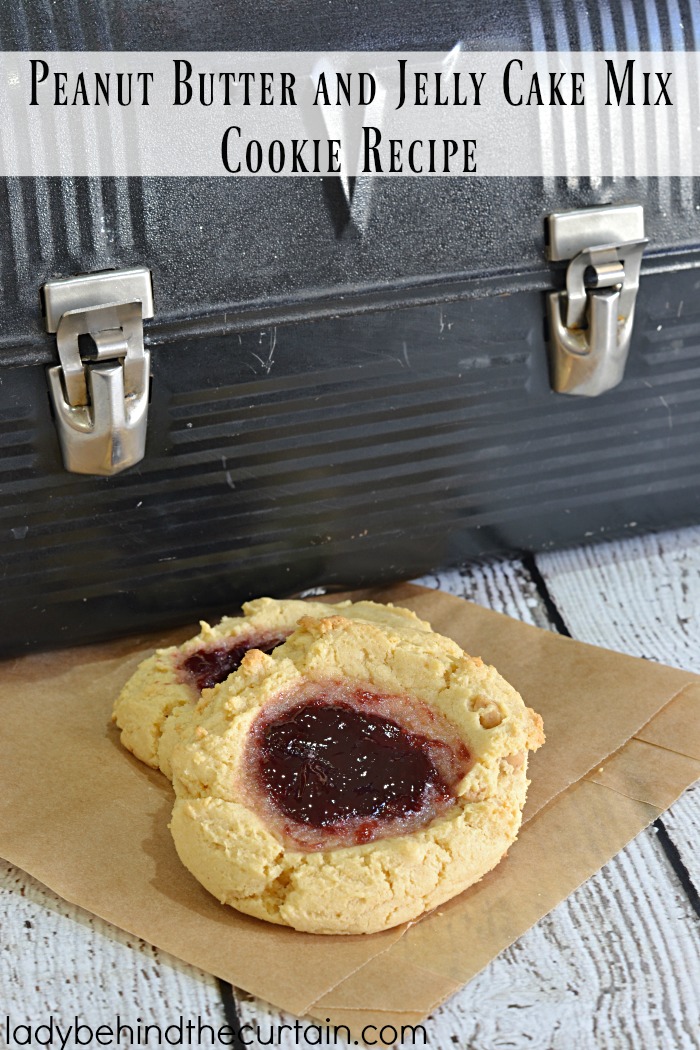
(640, 596)
(616, 965)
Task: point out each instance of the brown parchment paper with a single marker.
(90, 822)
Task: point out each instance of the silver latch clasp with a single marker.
(100, 396)
(591, 321)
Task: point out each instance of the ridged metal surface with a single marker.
(373, 442)
(219, 248)
(343, 452)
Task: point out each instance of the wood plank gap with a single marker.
(672, 853)
(529, 563)
(676, 861)
(228, 1001)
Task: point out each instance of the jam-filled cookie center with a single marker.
(345, 766)
(208, 666)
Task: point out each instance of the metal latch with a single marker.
(591, 320)
(100, 392)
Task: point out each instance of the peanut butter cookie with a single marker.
(159, 697)
(358, 776)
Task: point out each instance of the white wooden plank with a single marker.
(501, 584)
(640, 596)
(594, 974)
(57, 958)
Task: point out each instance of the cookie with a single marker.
(158, 698)
(355, 778)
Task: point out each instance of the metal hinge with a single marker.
(100, 395)
(591, 320)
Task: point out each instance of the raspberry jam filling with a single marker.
(205, 668)
(344, 766)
